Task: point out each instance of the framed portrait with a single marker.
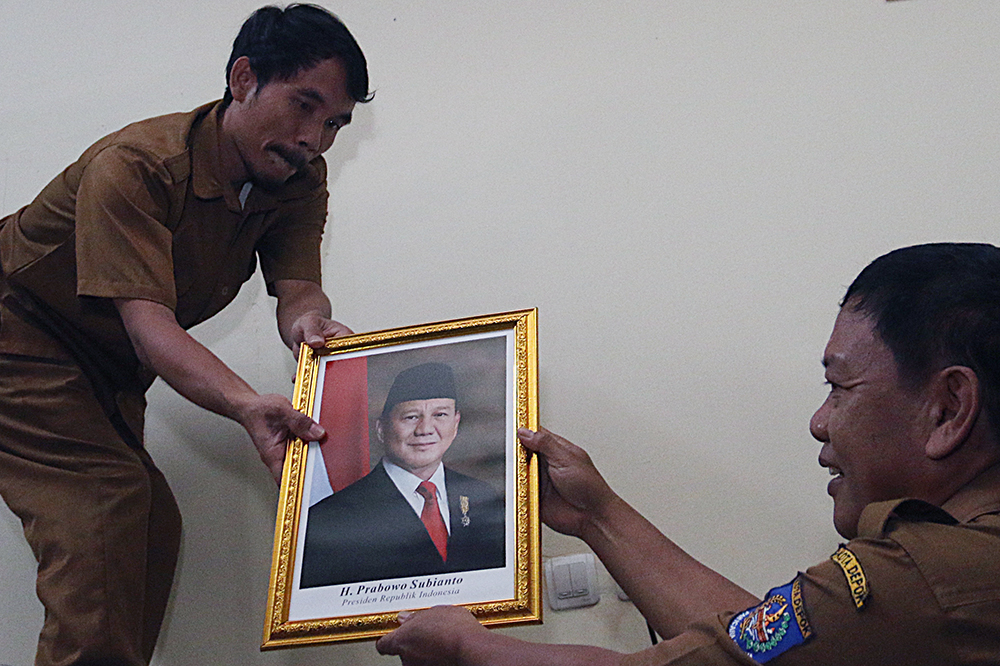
(420, 493)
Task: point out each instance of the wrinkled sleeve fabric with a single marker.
(702, 644)
(898, 623)
(123, 248)
(290, 249)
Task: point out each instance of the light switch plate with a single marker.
(571, 581)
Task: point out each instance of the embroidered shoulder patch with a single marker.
(855, 575)
(773, 627)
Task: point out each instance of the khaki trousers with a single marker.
(98, 515)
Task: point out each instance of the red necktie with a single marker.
(431, 517)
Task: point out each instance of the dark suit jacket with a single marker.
(368, 531)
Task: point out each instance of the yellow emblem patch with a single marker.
(855, 575)
(799, 608)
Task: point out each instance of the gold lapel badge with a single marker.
(463, 501)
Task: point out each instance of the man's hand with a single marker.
(573, 492)
(197, 374)
(271, 421)
(669, 587)
(313, 329)
(433, 637)
(304, 315)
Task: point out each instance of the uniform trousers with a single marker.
(97, 513)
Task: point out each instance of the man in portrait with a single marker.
(410, 516)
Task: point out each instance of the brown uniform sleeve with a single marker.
(290, 249)
(703, 644)
(898, 621)
(123, 248)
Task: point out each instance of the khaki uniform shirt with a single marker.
(917, 587)
(143, 214)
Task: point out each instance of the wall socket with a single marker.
(571, 581)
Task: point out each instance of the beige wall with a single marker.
(682, 188)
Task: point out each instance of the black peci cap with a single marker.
(421, 382)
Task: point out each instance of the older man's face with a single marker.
(873, 430)
(417, 433)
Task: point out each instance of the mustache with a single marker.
(293, 157)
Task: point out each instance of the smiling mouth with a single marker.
(835, 472)
(833, 488)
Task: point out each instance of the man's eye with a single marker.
(333, 124)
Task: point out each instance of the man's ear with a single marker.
(378, 431)
(242, 80)
(956, 408)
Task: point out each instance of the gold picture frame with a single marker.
(493, 366)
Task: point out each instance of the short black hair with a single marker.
(937, 305)
(282, 42)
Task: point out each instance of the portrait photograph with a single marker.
(419, 494)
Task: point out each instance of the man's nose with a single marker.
(311, 137)
(423, 426)
(818, 423)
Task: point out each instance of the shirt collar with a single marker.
(407, 482)
(206, 162)
(976, 498)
